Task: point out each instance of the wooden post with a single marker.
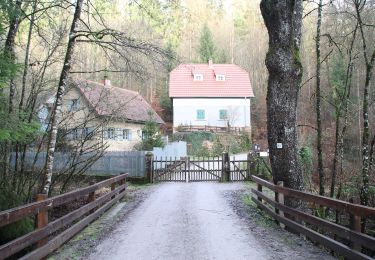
(91, 197)
(41, 218)
(113, 187)
(355, 224)
(225, 168)
(250, 164)
(279, 197)
(148, 168)
(260, 189)
(187, 168)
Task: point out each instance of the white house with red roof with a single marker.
(213, 95)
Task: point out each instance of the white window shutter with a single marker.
(129, 135)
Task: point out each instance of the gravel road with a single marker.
(192, 221)
(183, 221)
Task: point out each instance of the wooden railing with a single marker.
(213, 129)
(277, 209)
(42, 237)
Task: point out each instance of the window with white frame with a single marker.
(198, 77)
(126, 134)
(110, 133)
(220, 77)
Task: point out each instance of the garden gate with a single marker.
(193, 169)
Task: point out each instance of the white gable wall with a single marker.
(185, 111)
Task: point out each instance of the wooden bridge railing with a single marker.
(42, 236)
(353, 235)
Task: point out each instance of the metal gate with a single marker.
(188, 169)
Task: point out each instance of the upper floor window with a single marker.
(198, 77)
(110, 133)
(75, 133)
(73, 105)
(220, 77)
(200, 114)
(223, 114)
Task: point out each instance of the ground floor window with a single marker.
(223, 114)
(125, 134)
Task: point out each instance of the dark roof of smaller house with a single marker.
(116, 102)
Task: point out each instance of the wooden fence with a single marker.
(44, 238)
(212, 129)
(338, 234)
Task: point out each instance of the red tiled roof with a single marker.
(236, 84)
(116, 102)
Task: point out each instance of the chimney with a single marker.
(106, 82)
(210, 64)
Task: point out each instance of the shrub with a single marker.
(8, 199)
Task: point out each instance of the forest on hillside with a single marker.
(136, 43)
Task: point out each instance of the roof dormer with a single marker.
(220, 77)
(198, 77)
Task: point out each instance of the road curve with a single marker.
(182, 221)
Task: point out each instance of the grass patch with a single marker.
(262, 218)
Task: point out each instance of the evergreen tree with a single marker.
(207, 49)
(151, 135)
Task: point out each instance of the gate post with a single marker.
(187, 168)
(250, 166)
(149, 163)
(225, 169)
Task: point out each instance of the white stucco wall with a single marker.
(185, 111)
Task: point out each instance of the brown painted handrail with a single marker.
(12, 215)
(340, 205)
(93, 209)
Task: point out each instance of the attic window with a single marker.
(198, 77)
(220, 77)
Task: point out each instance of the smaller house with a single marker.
(105, 114)
(210, 96)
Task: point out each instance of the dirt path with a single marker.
(191, 221)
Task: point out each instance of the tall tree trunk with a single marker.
(23, 87)
(339, 136)
(318, 101)
(58, 102)
(283, 19)
(364, 192)
(9, 50)
(27, 56)
(369, 61)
